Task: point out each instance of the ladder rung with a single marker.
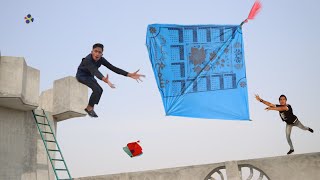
(53, 150)
(40, 115)
(46, 132)
(50, 141)
(61, 169)
(43, 124)
(57, 159)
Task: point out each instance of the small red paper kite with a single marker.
(133, 149)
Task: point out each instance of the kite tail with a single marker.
(254, 11)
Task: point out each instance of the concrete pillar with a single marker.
(19, 84)
(22, 152)
(46, 100)
(232, 170)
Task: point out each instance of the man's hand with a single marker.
(258, 98)
(111, 85)
(136, 76)
(106, 80)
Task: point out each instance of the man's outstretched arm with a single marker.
(264, 102)
(117, 70)
(278, 108)
(113, 68)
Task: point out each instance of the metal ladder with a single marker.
(50, 132)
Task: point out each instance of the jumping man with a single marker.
(286, 114)
(88, 68)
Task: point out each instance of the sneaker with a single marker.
(291, 151)
(91, 113)
(311, 130)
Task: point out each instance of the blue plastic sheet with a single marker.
(200, 70)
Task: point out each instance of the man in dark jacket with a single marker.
(88, 68)
(286, 114)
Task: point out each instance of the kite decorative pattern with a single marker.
(207, 59)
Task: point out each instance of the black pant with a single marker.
(92, 83)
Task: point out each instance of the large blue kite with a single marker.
(200, 70)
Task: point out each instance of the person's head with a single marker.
(97, 51)
(282, 99)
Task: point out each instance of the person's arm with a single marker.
(278, 108)
(93, 69)
(133, 75)
(106, 80)
(264, 102)
(95, 72)
(113, 68)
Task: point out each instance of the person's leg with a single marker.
(95, 87)
(95, 95)
(288, 134)
(301, 126)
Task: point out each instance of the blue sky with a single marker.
(281, 52)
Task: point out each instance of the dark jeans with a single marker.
(92, 83)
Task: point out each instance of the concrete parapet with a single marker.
(19, 84)
(179, 173)
(69, 98)
(19, 89)
(293, 167)
(22, 152)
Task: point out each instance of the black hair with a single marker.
(98, 45)
(282, 96)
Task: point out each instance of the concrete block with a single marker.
(46, 100)
(12, 73)
(232, 170)
(32, 86)
(69, 98)
(19, 84)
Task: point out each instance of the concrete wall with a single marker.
(22, 153)
(181, 173)
(292, 167)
